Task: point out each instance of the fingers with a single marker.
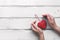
(33, 25)
(34, 29)
(45, 15)
(49, 17)
(34, 22)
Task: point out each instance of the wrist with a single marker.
(41, 34)
(55, 26)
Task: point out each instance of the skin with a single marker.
(51, 22)
(39, 31)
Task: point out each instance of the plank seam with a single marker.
(21, 17)
(29, 5)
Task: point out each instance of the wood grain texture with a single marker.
(28, 11)
(16, 17)
(20, 23)
(29, 2)
(26, 35)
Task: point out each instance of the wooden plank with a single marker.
(29, 2)
(17, 35)
(51, 35)
(20, 23)
(28, 11)
(26, 35)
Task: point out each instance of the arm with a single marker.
(52, 22)
(41, 37)
(57, 29)
(39, 31)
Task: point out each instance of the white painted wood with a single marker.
(29, 2)
(16, 17)
(28, 11)
(20, 23)
(17, 35)
(26, 35)
(51, 35)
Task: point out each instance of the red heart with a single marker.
(42, 24)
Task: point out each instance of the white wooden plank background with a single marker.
(26, 35)
(28, 11)
(29, 2)
(16, 17)
(20, 23)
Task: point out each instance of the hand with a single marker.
(51, 20)
(36, 29)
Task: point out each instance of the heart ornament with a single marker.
(42, 23)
